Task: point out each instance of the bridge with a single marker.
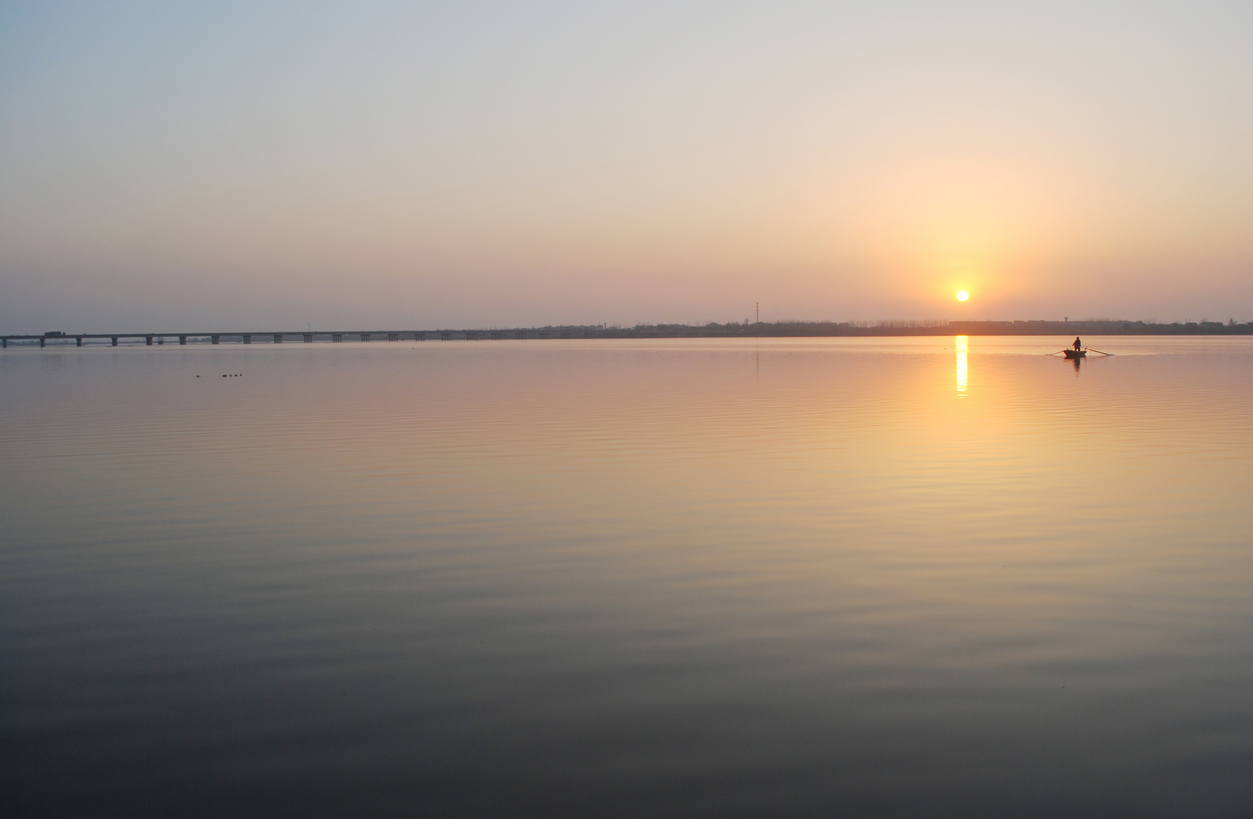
(270, 337)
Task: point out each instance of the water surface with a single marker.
(628, 578)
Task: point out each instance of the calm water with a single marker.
(667, 578)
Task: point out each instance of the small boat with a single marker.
(1075, 353)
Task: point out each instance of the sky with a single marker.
(282, 165)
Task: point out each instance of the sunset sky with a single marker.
(272, 165)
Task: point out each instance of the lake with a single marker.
(790, 577)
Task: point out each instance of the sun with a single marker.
(962, 295)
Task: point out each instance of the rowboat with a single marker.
(1075, 355)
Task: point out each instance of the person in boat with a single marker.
(1078, 343)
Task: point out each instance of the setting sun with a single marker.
(962, 295)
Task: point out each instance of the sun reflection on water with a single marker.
(961, 365)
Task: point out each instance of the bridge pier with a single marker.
(79, 340)
(247, 339)
(182, 339)
(419, 336)
(308, 338)
(41, 342)
(149, 340)
(114, 341)
(278, 339)
(393, 336)
(365, 336)
(215, 339)
(5, 341)
(445, 336)
(337, 337)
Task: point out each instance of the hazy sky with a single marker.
(268, 165)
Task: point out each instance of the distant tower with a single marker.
(758, 312)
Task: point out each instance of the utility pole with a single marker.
(758, 312)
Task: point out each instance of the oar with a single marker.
(1102, 352)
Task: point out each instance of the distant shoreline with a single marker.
(785, 329)
(910, 328)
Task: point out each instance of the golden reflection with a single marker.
(961, 364)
